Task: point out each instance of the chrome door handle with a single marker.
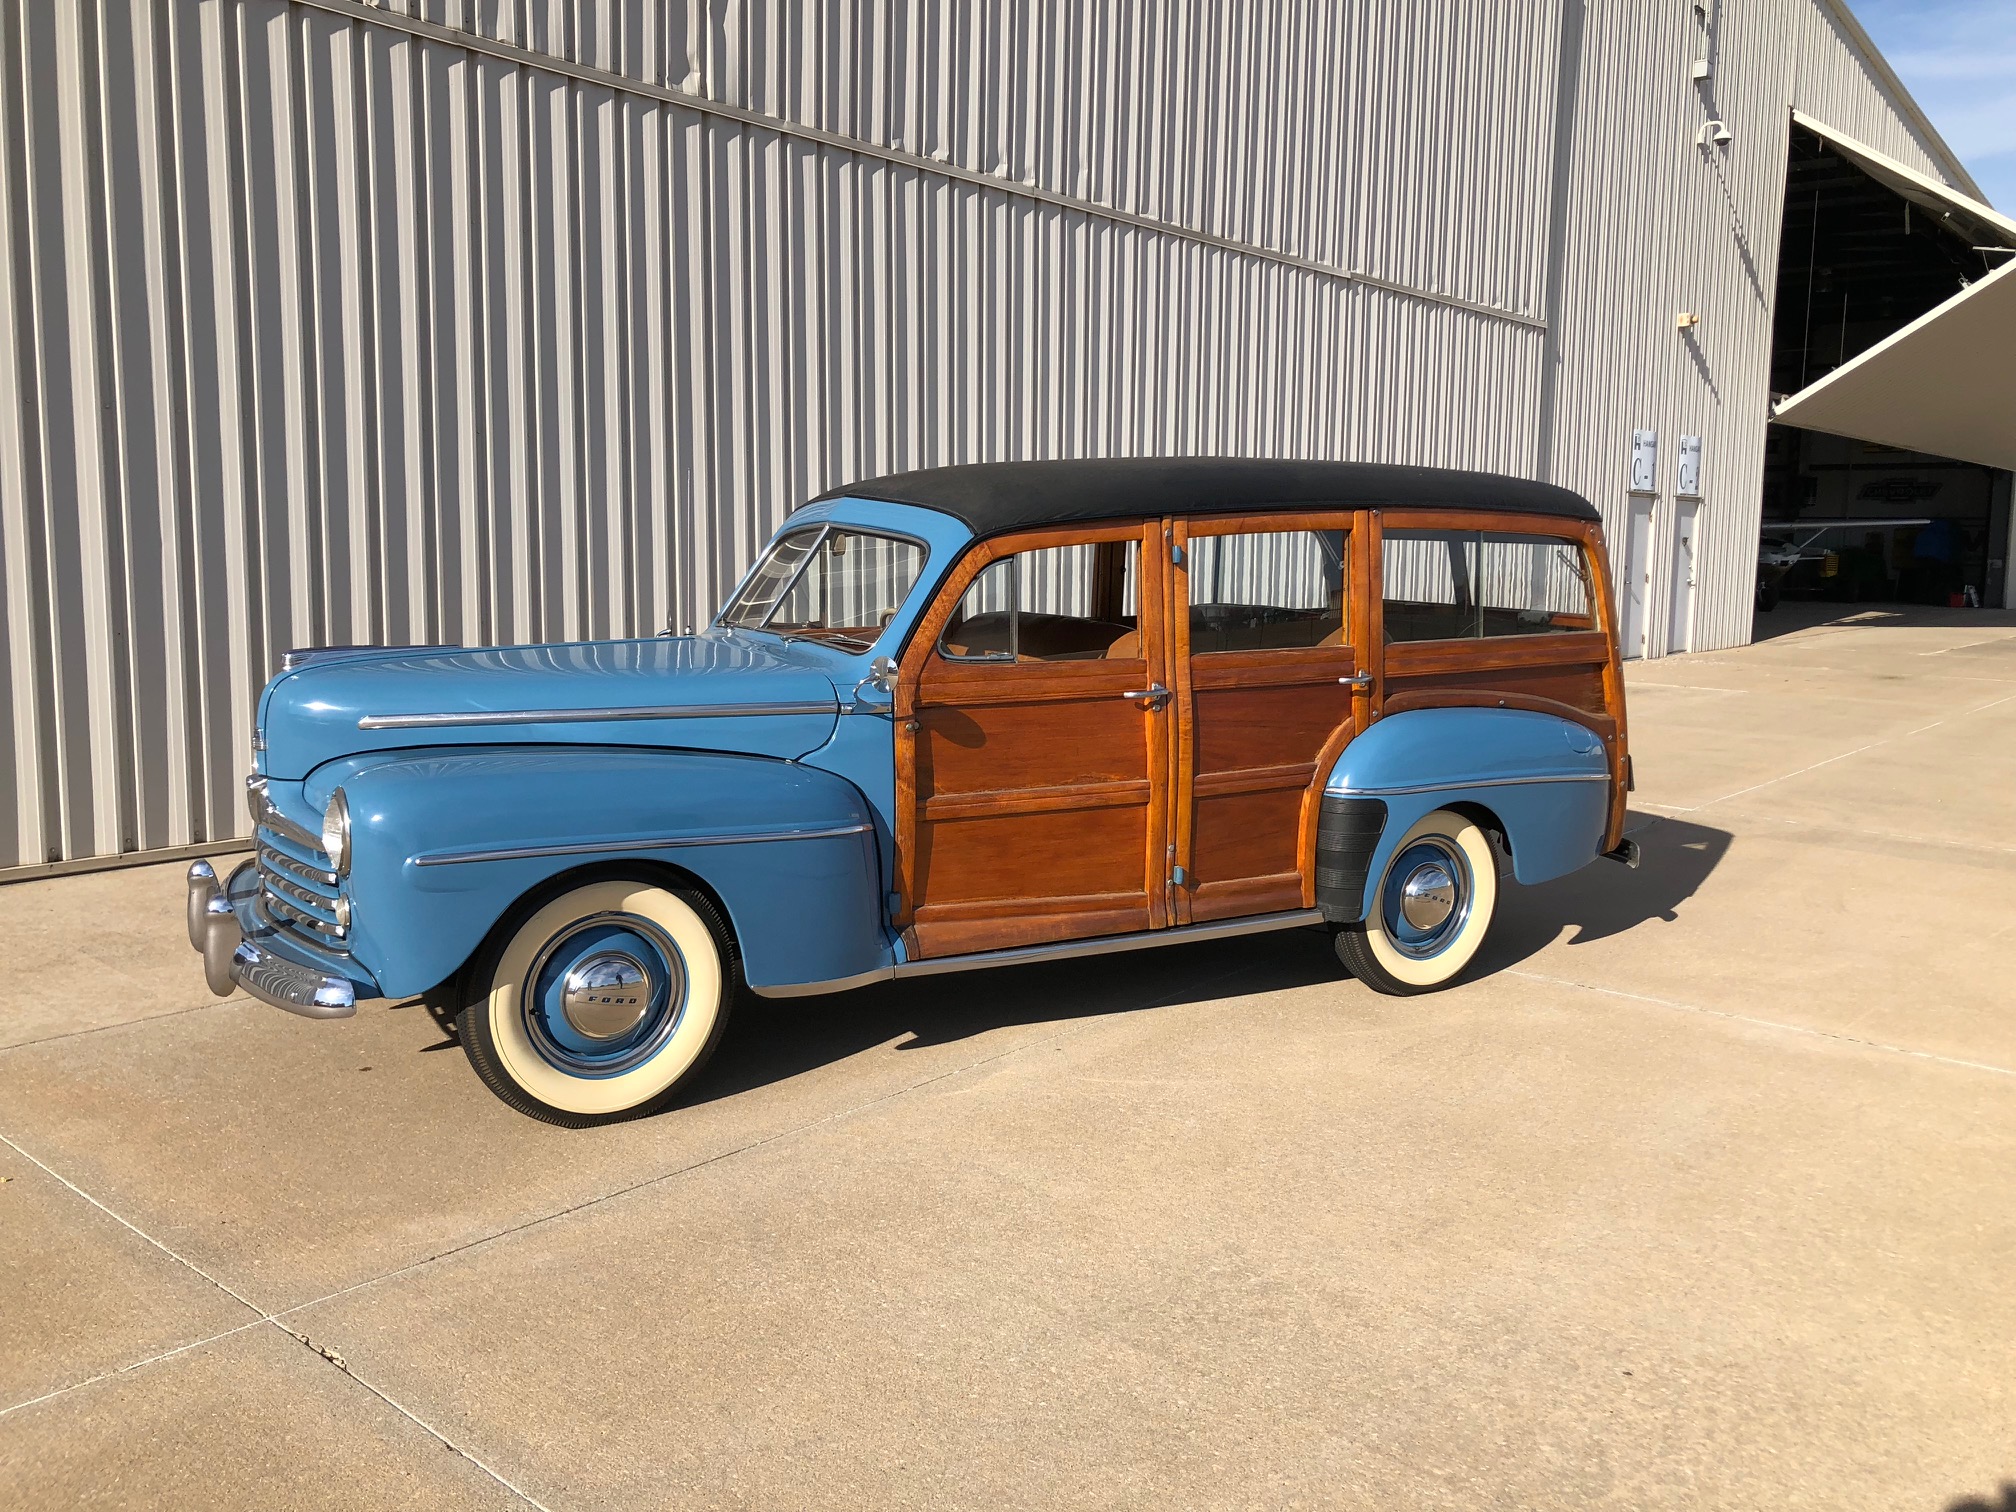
(1361, 681)
(1148, 698)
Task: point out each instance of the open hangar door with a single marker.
(1887, 465)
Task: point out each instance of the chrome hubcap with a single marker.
(606, 995)
(1428, 896)
(1426, 899)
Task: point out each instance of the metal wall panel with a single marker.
(320, 330)
(1688, 227)
(1408, 142)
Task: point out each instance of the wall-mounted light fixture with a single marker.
(1717, 132)
(1686, 320)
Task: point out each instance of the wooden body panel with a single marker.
(1251, 725)
(1035, 803)
(1576, 674)
(1032, 796)
(1251, 735)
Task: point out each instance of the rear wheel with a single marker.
(603, 1003)
(1432, 909)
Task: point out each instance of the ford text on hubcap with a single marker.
(605, 995)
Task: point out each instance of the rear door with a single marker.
(1266, 610)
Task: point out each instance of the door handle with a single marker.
(1362, 681)
(1148, 698)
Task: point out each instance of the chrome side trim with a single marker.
(586, 716)
(1443, 787)
(653, 842)
(1222, 929)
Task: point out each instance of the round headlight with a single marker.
(336, 832)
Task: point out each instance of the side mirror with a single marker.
(882, 673)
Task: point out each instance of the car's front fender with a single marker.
(445, 841)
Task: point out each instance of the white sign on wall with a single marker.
(1690, 468)
(1644, 461)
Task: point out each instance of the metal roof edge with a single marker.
(1861, 41)
(1855, 149)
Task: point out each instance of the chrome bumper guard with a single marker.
(231, 961)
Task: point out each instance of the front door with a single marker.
(1268, 683)
(1033, 716)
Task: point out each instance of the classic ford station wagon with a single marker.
(949, 719)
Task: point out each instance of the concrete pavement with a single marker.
(1699, 1195)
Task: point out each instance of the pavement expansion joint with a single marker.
(234, 1001)
(323, 1351)
(334, 1358)
(1764, 1023)
(1843, 756)
(663, 1177)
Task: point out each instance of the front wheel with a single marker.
(602, 1003)
(1432, 909)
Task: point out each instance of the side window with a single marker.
(1267, 590)
(1057, 603)
(1469, 585)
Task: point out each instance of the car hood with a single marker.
(714, 692)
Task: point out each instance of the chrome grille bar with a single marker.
(321, 880)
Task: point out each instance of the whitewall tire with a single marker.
(601, 1003)
(1431, 910)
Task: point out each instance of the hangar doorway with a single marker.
(1886, 476)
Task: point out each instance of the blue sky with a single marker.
(1958, 59)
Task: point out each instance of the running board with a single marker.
(1222, 929)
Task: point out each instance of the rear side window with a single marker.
(1471, 585)
(1056, 603)
(1267, 591)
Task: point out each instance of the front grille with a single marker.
(297, 882)
(297, 887)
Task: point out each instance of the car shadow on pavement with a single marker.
(1605, 899)
(2005, 1502)
(775, 1038)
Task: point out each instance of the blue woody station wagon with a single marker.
(953, 718)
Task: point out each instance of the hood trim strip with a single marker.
(653, 842)
(586, 716)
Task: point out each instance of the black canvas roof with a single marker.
(992, 497)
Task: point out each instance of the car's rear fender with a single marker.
(1541, 781)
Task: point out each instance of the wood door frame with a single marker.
(1358, 525)
(1151, 614)
(1597, 647)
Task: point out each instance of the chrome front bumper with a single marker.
(231, 961)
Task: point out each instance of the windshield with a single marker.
(827, 583)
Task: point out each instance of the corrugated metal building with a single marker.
(489, 320)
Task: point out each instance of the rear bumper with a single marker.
(226, 929)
